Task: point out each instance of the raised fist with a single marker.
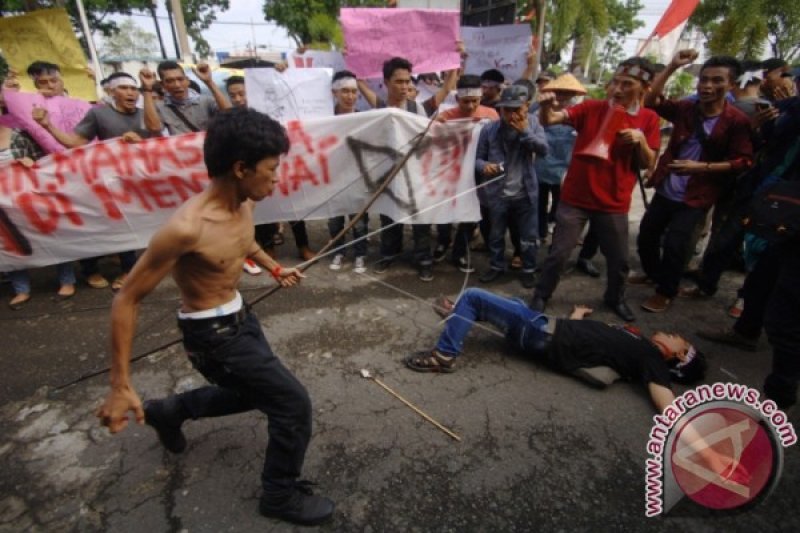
(684, 57)
(147, 77)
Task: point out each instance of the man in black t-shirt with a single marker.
(572, 346)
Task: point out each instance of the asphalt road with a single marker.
(539, 451)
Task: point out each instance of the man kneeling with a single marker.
(573, 346)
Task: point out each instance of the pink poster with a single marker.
(65, 113)
(426, 37)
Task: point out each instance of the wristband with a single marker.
(276, 272)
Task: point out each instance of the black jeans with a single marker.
(783, 330)
(246, 375)
(392, 241)
(547, 192)
(759, 285)
(90, 266)
(663, 259)
(266, 232)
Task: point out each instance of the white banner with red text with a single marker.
(111, 196)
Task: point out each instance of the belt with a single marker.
(214, 323)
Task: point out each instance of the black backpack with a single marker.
(774, 213)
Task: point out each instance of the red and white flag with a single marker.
(663, 42)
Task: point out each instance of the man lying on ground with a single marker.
(572, 346)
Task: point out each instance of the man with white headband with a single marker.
(599, 190)
(345, 94)
(120, 119)
(468, 98)
(492, 83)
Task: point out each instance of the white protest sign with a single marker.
(504, 48)
(316, 59)
(290, 95)
(111, 196)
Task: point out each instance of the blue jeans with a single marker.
(524, 213)
(522, 326)
(21, 280)
(336, 224)
(246, 375)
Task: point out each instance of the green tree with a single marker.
(130, 40)
(585, 22)
(312, 22)
(742, 27)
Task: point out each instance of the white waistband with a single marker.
(228, 308)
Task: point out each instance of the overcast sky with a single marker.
(233, 28)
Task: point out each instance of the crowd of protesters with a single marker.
(555, 168)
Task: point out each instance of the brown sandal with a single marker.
(430, 361)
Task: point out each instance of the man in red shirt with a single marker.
(599, 190)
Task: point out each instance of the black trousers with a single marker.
(665, 241)
(783, 330)
(246, 375)
(265, 233)
(759, 285)
(392, 241)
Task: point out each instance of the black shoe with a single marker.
(528, 279)
(490, 275)
(537, 303)
(462, 264)
(424, 273)
(300, 507)
(587, 267)
(439, 253)
(622, 310)
(157, 416)
(383, 265)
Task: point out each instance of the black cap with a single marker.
(514, 96)
(773, 63)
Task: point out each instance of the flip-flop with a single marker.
(16, 306)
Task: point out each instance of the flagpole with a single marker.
(98, 71)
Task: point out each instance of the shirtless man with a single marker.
(204, 245)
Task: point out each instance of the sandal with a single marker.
(516, 262)
(117, 284)
(430, 361)
(443, 306)
(19, 301)
(97, 281)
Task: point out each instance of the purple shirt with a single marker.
(674, 187)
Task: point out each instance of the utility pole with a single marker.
(152, 9)
(541, 7)
(180, 27)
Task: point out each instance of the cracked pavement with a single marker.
(540, 451)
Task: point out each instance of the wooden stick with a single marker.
(416, 410)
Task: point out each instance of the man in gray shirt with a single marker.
(183, 110)
(120, 119)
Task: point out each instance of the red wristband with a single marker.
(276, 273)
